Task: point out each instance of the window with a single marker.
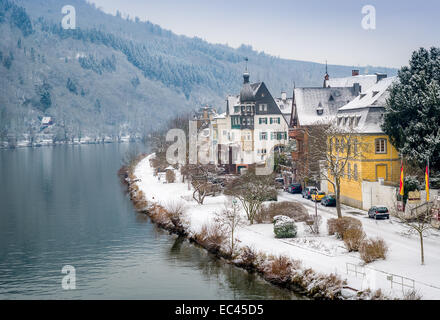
(381, 145)
(355, 171)
(263, 135)
(263, 107)
(236, 109)
(262, 121)
(248, 108)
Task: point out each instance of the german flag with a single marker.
(427, 183)
(401, 189)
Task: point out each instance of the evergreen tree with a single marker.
(412, 117)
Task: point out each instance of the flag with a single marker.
(427, 183)
(401, 190)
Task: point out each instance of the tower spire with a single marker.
(326, 76)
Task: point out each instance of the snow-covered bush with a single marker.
(212, 237)
(353, 238)
(279, 269)
(340, 225)
(175, 212)
(247, 258)
(373, 249)
(294, 210)
(284, 227)
(412, 295)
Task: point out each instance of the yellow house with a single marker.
(376, 158)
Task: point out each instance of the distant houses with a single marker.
(256, 124)
(252, 126)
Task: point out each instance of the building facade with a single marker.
(378, 160)
(252, 127)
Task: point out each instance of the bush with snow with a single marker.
(284, 227)
(340, 225)
(373, 249)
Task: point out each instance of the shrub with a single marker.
(353, 238)
(212, 237)
(412, 295)
(175, 212)
(340, 225)
(170, 176)
(373, 249)
(294, 210)
(284, 227)
(160, 216)
(378, 295)
(280, 269)
(248, 258)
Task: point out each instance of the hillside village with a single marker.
(256, 123)
(325, 144)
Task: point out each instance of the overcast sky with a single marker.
(311, 30)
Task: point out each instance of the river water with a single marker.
(64, 205)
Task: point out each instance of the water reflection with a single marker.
(64, 205)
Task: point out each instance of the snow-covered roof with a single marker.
(375, 96)
(220, 116)
(284, 105)
(314, 105)
(365, 113)
(365, 81)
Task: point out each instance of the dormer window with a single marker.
(319, 111)
(375, 92)
(362, 95)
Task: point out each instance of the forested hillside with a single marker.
(113, 76)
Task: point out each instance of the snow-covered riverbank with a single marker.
(324, 254)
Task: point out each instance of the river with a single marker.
(64, 205)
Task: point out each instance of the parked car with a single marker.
(294, 188)
(377, 212)
(318, 196)
(307, 193)
(279, 182)
(329, 201)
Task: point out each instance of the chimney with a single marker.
(380, 76)
(354, 73)
(283, 96)
(356, 89)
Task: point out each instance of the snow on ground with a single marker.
(322, 253)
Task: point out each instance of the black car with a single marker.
(378, 212)
(329, 201)
(294, 188)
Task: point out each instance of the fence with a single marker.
(354, 268)
(393, 278)
(401, 281)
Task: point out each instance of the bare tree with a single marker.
(230, 219)
(252, 190)
(418, 221)
(334, 148)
